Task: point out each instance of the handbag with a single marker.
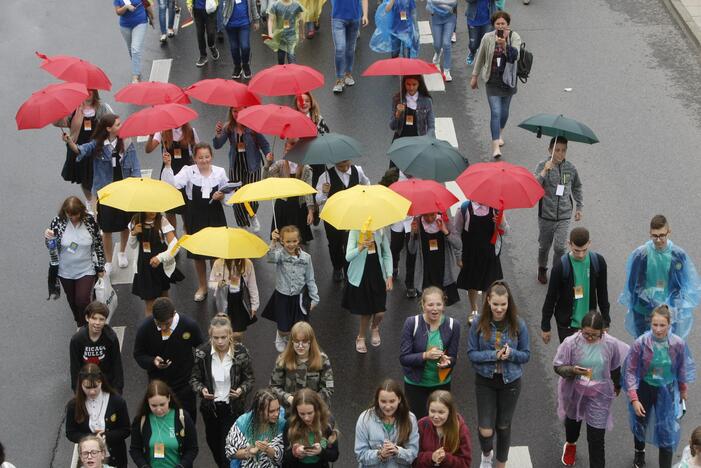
(210, 6)
(510, 67)
(106, 294)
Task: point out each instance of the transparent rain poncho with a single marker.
(285, 34)
(399, 24)
(681, 292)
(585, 398)
(659, 426)
(312, 9)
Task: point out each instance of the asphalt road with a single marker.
(635, 79)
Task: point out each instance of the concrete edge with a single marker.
(686, 21)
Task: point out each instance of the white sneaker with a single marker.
(436, 58)
(108, 268)
(447, 75)
(122, 260)
(255, 224)
(487, 460)
(163, 38)
(280, 342)
(338, 87)
(454, 38)
(526, 2)
(348, 80)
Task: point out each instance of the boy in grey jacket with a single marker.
(563, 194)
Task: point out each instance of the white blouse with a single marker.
(190, 175)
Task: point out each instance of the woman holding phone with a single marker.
(444, 439)
(309, 437)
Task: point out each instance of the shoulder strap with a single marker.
(143, 420)
(450, 322)
(566, 266)
(463, 209)
(181, 416)
(594, 261)
(416, 324)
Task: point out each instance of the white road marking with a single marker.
(146, 173)
(123, 275)
(519, 457)
(445, 130)
(425, 36)
(160, 72)
(434, 82)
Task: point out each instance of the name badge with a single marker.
(241, 147)
(578, 292)
(409, 120)
(237, 1)
(146, 245)
(657, 372)
(660, 284)
(433, 245)
(177, 153)
(159, 450)
(87, 124)
(371, 249)
(560, 190)
(402, 15)
(205, 193)
(114, 161)
(498, 62)
(72, 248)
(286, 24)
(235, 285)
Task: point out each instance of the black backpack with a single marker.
(525, 62)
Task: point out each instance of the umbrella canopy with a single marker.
(426, 196)
(224, 242)
(156, 119)
(365, 207)
(149, 93)
(327, 148)
(140, 195)
(400, 66)
(221, 92)
(281, 121)
(559, 126)
(75, 70)
(286, 80)
(427, 158)
(50, 104)
(500, 185)
(270, 189)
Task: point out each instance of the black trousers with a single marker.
(206, 28)
(418, 396)
(647, 395)
(564, 332)
(216, 428)
(187, 400)
(595, 440)
(337, 246)
(397, 242)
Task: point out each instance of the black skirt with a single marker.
(290, 213)
(285, 310)
(370, 296)
(112, 219)
(149, 283)
(240, 320)
(77, 172)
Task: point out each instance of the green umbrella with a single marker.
(327, 148)
(427, 158)
(559, 126)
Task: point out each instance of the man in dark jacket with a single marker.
(165, 345)
(577, 285)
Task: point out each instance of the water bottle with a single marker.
(53, 252)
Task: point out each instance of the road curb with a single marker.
(683, 16)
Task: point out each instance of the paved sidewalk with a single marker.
(689, 12)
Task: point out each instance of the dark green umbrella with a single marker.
(327, 148)
(559, 126)
(427, 158)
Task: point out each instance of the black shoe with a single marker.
(237, 73)
(215, 52)
(639, 459)
(338, 276)
(220, 37)
(246, 71)
(201, 62)
(317, 220)
(412, 293)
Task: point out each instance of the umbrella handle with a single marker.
(552, 153)
(272, 202)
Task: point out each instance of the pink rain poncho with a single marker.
(589, 399)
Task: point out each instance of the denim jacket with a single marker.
(255, 144)
(102, 163)
(483, 355)
(293, 273)
(425, 120)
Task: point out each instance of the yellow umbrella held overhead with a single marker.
(137, 194)
(365, 207)
(223, 242)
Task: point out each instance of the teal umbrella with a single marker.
(559, 126)
(327, 148)
(427, 158)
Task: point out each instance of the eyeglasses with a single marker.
(300, 344)
(658, 236)
(90, 454)
(591, 336)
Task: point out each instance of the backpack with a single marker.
(524, 64)
(416, 323)
(567, 266)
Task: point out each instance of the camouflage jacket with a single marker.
(286, 382)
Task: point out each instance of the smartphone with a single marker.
(579, 368)
(266, 37)
(308, 447)
(500, 33)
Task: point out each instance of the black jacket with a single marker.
(117, 428)
(560, 297)
(241, 375)
(104, 352)
(141, 437)
(328, 454)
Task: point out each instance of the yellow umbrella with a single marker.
(223, 242)
(136, 194)
(365, 207)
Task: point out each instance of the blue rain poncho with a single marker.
(659, 426)
(396, 28)
(681, 291)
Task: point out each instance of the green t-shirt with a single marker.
(429, 376)
(592, 358)
(163, 432)
(581, 285)
(660, 371)
(656, 276)
(313, 459)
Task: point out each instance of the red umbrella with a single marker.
(286, 80)
(500, 185)
(281, 121)
(426, 196)
(50, 104)
(149, 93)
(75, 70)
(221, 92)
(156, 119)
(400, 66)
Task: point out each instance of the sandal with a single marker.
(375, 339)
(360, 345)
(200, 296)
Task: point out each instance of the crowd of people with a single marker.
(289, 421)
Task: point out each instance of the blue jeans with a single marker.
(220, 18)
(240, 44)
(164, 5)
(476, 33)
(134, 37)
(281, 55)
(442, 28)
(499, 107)
(345, 36)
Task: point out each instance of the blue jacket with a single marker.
(415, 339)
(484, 357)
(471, 11)
(102, 163)
(257, 146)
(356, 258)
